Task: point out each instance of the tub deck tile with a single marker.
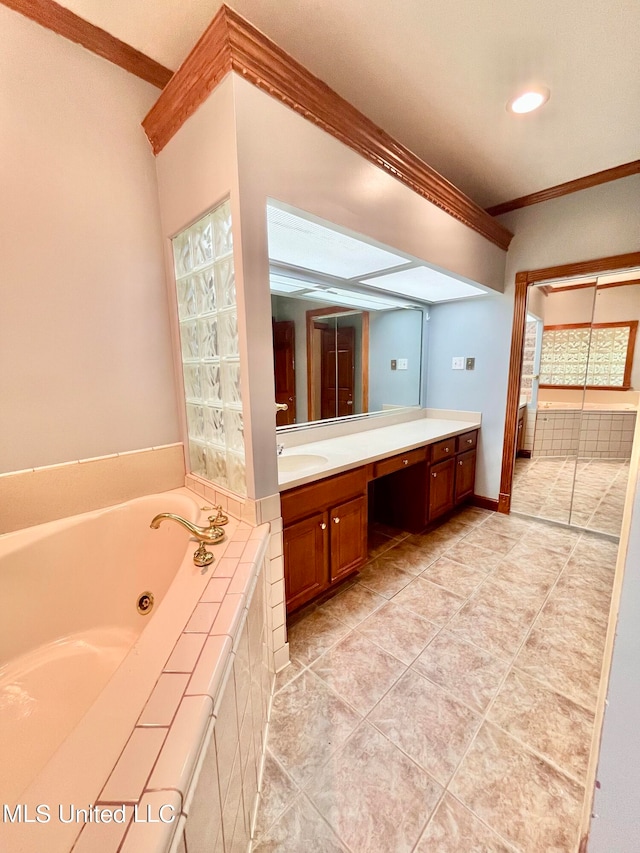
(176, 763)
(163, 702)
(128, 777)
(211, 666)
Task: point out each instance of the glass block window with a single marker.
(598, 355)
(208, 316)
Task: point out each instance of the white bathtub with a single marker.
(77, 661)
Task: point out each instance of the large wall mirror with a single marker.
(349, 319)
(332, 361)
(580, 390)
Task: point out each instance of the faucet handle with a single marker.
(219, 518)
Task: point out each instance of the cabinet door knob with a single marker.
(460, 462)
(446, 450)
(433, 474)
(323, 525)
(336, 519)
(405, 461)
(469, 441)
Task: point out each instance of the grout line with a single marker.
(510, 664)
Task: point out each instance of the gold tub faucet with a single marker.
(209, 535)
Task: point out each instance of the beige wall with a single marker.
(197, 170)
(85, 362)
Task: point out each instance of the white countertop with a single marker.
(350, 451)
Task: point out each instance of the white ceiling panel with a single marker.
(425, 284)
(302, 243)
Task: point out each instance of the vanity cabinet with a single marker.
(305, 559)
(441, 488)
(465, 475)
(324, 534)
(421, 486)
(325, 522)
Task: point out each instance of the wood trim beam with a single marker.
(584, 183)
(619, 283)
(599, 266)
(232, 43)
(65, 23)
(365, 361)
(513, 392)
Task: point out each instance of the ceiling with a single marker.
(308, 255)
(437, 74)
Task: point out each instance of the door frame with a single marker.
(364, 356)
(523, 281)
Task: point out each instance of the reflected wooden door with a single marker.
(284, 369)
(338, 371)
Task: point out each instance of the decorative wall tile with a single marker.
(206, 296)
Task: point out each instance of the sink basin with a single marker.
(300, 462)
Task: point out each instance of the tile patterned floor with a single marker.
(444, 701)
(544, 487)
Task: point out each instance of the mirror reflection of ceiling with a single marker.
(311, 259)
(631, 274)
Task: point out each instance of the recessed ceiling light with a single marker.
(528, 101)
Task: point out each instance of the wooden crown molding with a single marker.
(65, 23)
(231, 43)
(568, 187)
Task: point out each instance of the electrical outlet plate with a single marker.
(457, 363)
(403, 363)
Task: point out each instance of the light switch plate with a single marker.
(394, 364)
(470, 364)
(403, 363)
(457, 363)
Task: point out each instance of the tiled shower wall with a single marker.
(207, 311)
(529, 428)
(607, 435)
(528, 359)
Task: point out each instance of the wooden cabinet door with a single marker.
(306, 565)
(348, 523)
(441, 480)
(465, 474)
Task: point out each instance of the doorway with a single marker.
(284, 367)
(577, 403)
(337, 362)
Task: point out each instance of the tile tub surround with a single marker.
(218, 671)
(470, 732)
(344, 452)
(261, 511)
(37, 495)
(597, 434)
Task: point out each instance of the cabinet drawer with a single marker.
(443, 449)
(305, 500)
(468, 440)
(397, 463)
